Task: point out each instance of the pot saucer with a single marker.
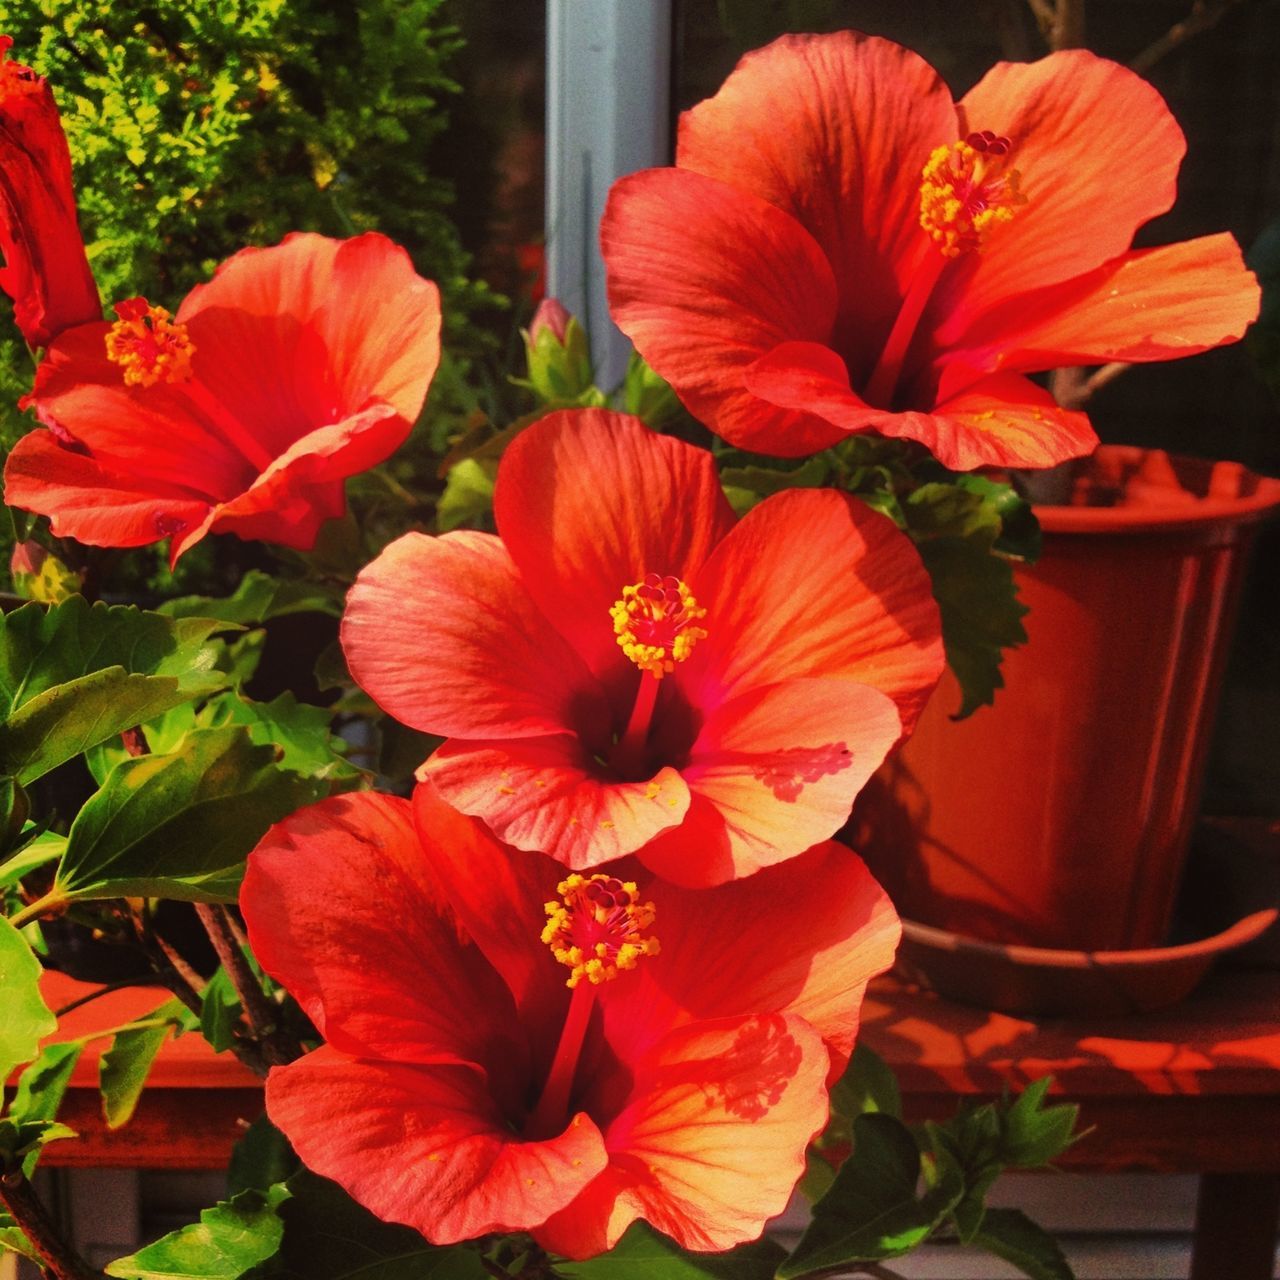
(1049, 982)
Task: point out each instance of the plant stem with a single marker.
(54, 898)
(57, 1257)
(260, 1012)
(1203, 15)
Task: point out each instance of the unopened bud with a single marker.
(559, 357)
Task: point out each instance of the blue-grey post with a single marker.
(608, 103)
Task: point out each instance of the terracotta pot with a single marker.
(1060, 817)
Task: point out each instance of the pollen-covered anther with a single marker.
(966, 189)
(149, 345)
(597, 928)
(655, 622)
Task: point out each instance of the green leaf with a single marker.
(179, 825)
(258, 597)
(76, 674)
(868, 1084)
(468, 494)
(1019, 529)
(260, 1159)
(219, 1011)
(981, 613)
(43, 1084)
(327, 1236)
(123, 1069)
(873, 1210)
(763, 481)
(1011, 1235)
(12, 1239)
(645, 1254)
(27, 1019)
(1033, 1134)
(44, 848)
(299, 730)
(228, 1240)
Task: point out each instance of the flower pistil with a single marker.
(149, 345)
(966, 189)
(596, 928)
(655, 621)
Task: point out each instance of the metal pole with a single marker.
(608, 103)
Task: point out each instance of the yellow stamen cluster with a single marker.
(655, 623)
(596, 928)
(149, 345)
(967, 189)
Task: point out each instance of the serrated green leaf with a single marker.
(21, 1141)
(1033, 1134)
(327, 1236)
(1019, 529)
(981, 614)
(74, 675)
(874, 1209)
(299, 731)
(260, 1159)
(645, 1254)
(1011, 1235)
(27, 1019)
(123, 1068)
(763, 481)
(228, 1240)
(258, 598)
(219, 1011)
(179, 825)
(42, 1086)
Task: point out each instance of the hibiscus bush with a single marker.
(525, 892)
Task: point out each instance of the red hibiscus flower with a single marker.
(630, 668)
(292, 369)
(513, 1050)
(45, 269)
(842, 248)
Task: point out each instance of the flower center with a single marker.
(655, 622)
(148, 345)
(597, 927)
(16, 81)
(966, 189)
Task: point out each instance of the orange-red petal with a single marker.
(705, 279)
(834, 130)
(426, 1146)
(1152, 304)
(442, 634)
(780, 766)
(588, 502)
(342, 910)
(550, 794)
(712, 1141)
(814, 583)
(1097, 152)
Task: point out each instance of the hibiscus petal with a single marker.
(306, 332)
(426, 1146)
(803, 937)
(588, 502)
(348, 878)
(781, 766)
(706, 279)
(304, 486)
(548, 794)
(86, 501)
(1153, 304)
(712, 1142)
(1097, 152)
(812, 582)
(442, 634)
(153, 434)
(833, 130)
(1004, 420)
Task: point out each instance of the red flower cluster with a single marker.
(843, 248)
